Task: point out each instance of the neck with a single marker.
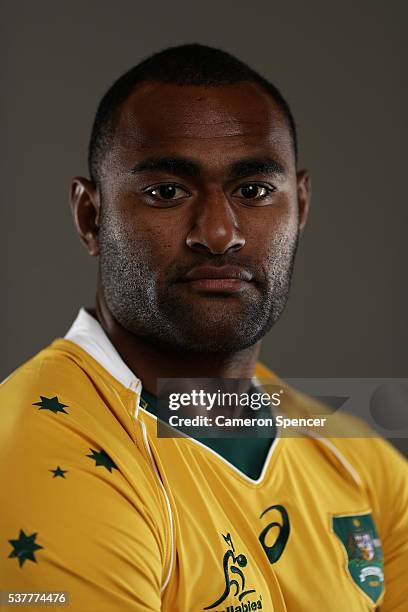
(149, 361)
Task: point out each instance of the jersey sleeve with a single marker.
(73, 519)
(385, 474)
(393, 502)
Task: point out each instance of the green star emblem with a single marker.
(51, 403)
(102, 458)
(24, 547)
(58, 472)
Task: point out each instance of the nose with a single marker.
(215, 226)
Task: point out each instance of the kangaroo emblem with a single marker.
(233, 575)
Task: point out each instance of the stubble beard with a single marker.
(168, 319)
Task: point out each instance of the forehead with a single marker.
(207, 122)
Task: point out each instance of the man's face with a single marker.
(199, 216)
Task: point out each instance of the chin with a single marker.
(215, 340)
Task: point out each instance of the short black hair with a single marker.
(190, 64)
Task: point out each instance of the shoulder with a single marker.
(59, 407)
(382, 469)
(43, 386)
(49, 369)
(61, 381)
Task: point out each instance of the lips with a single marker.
(224, 279)
(223, 272)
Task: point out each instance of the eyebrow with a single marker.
(175, 165)
(188, 167)
(261, 165)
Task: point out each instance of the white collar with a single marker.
(89, 334)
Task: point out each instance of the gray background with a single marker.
(342, 67)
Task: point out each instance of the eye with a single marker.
(254, 191)
(166, 192)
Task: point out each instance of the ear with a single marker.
(304, 194)
(85, 205)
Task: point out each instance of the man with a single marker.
(194, 207)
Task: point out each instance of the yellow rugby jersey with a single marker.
(93, 503)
